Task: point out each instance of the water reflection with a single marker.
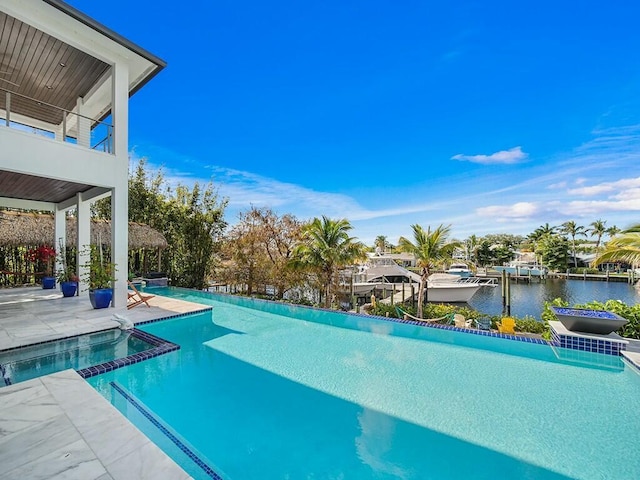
(528, 299)
(376, 442)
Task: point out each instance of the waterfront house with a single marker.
(65, 83)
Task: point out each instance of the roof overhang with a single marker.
(51, 54)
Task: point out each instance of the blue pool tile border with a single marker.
(630, 361)
(585, 344)
(473, 331)
(177, 315)
(160, 347)
(518, 338)
(185, 449)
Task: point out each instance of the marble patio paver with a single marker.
(58, 426)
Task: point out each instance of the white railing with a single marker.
(72, 128)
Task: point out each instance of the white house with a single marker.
(65, 83)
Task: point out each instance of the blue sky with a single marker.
(492, 116)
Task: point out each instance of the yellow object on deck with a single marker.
(507, 325)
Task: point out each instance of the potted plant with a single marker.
(66, 275)
(100, 278)
(44, 255)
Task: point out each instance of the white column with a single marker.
(120, 242)
(83, 242)
(120, 194)
(120, 111)
(59, 236)
(83, 124)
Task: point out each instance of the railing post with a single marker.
(8, 107)
(64, 126)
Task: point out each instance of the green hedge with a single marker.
(436, 310)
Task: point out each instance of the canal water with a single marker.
(528, 299)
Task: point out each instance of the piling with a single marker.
(503, 287)
(413, 295)
(508, 295)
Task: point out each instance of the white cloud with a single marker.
(553, 210)
(503, 213)
(503, 157)
(597, 207)
(606, 187)
(557, 186)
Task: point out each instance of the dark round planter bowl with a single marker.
(48, 282)
(101, 297)
(68, 288)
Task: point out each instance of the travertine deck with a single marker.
(31, 315)
(57, 426)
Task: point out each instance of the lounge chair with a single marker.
(135, 297)
(407, 316)
(461, 322)
(507, 325)
(483, 324)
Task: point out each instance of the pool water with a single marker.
(78, 352)
(307, 394)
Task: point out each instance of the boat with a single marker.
(460, 269)
(448, 288)
(384, 274)
(523, 269)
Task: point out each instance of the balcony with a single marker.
(34, 116)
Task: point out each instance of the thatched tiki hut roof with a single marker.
(20, 228)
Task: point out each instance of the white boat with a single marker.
(446, 287)
(460, 269)
(383, 273)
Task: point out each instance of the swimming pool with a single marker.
(257, 394)
(78, 352)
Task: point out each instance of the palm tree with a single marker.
(572, 229)
(598, 229)
(431, 249)
(381, 243)
(623, 248)
(325, 248)
(471, 246)
(612, 231)
(542, 231)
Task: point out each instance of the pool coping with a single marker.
(519, 338)
(161, 347)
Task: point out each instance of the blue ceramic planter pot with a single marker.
(68, 288)
(48, 282)
(100, 298)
